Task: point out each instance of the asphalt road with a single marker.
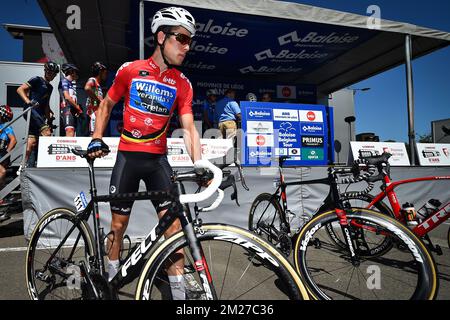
(13, 251)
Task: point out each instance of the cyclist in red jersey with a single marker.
(153, 91)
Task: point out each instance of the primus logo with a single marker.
(209, 27)
(287, 55)
(314, 37)
(266, 69)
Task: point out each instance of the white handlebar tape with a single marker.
(208, 192)
(216, 202)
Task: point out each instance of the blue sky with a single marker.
(383, 108)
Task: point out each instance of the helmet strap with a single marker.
(161, 46)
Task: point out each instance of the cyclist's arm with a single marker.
(71, 101)
(102, 117)
(12, 142)
(191, 136)
(23, 91)
(91, 93)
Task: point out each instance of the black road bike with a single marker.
(65, 258)
(346, 252)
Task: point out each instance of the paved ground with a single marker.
(13, 250)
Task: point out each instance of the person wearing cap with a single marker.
(36, 93)
(153, 91)
(208, 109)
(70, 109)
(228, 114)
(93, 88)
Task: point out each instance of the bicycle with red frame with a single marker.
(421, 222)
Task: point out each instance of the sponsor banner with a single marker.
(55, 152)
(434, 154)
(312, 154)
(312, 128)
(259, 156)
(286, 92)
(310, 116)
(397, 149)
(312, 141)
(260, 127)
(285, 115)
(259, 114)
(284, 134)
(259, 140)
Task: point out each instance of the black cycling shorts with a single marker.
(132, 167)
(67, 118)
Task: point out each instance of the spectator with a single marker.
(228, 114)
(208, 109)
(266, 97)
(251, 97)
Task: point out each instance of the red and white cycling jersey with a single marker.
(151, 98)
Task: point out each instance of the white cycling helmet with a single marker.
(251, 97)
(173, 16)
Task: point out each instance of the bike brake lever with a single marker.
(234, 195)
(241, 176)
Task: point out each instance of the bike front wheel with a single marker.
(406, 271)
(59, 243)
(241, 265)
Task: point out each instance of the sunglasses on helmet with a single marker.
(181, 38)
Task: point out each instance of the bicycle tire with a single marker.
(64, 280)
(267, 210)
(448, 237)
(231, 254)
(414, 277)
(362, 201)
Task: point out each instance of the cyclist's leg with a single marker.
(123, 180)
(160, 179)
(68, 122)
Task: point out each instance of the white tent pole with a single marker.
(410, 94)
(141, 29)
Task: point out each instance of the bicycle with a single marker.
(352, 270)
(420, 226)
(65, 258)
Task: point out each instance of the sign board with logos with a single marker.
(368, 148)
(55, 152)
(434, 154)
(299, 131)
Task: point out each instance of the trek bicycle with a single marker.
(421, 221)
(350, 270)
(65, 258)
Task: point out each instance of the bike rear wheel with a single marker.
(265, 220)
(58, 278)
(242, 266)
(407, 271)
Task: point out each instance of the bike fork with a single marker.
(343, 221)
(200, 264)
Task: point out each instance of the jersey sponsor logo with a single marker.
(144, 73)
(148, 121)
(152, 97)
(132, 119)
(169, 80)
(136, 133)
(311, 141)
